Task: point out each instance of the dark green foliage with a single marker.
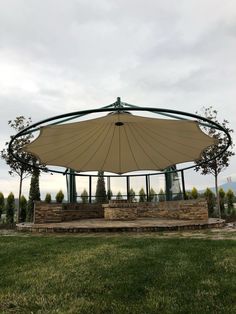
(113, 274)
(60, 197)
(161, 196)
(2, 204)
(34, 194)
(48, 198)
(10, 208)
(194, 193)
(23, 208)
(109, 194)
(230, 199)
(131, 195)
(84, 196)
(119, 196)
(152, 195)
(211, 201)
(101, 196)
(142, 196)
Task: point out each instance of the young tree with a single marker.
(142, 196)
(34, 194)
(194, 193)
(101, 196)
(230, 199)
(84, 196)
(60, 197)
(119, 196)
(23, 208)
(48, 198)
(2, 204)
(210, 198)
(16, 167)
(216, 165)
(131, 195)
(10, 208)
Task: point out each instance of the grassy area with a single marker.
(122, 274)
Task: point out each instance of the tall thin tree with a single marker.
(16, 167)
(216, 165)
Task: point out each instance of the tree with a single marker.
(48, 198)
(119, 196)
(194, 193)
(230, 199)
(216, 165)
(60, 197)
(101, 196)
(84, 196)
(16, 167)
(23, 208)
(10, 208)
(34, 193)
(142, 196)
(131, 195)
(2, 204)
(210, 198)
(222, 200)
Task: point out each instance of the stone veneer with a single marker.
(55, 212)
(120, 210)
(184, 209)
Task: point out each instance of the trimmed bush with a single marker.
(60, 197)
(10, 208)
(48, 198)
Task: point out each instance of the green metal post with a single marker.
(71, 187)
(168, 182)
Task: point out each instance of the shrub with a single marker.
(48, 198)
(161, 195)
(131, 195)
(211, 201)
(2, 204)
(230, 199)
(152, 195)
(222, 201)
(142, 196)
(60, 197)
(84, 196)
(10, 207)
(119, 196)
(23, 208)
(194, 193)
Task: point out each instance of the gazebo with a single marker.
(121, 143)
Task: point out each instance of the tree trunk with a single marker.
(217, 195)
(18, 207)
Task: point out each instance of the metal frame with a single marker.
(117, 106)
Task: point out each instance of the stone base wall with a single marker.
(187, 210)
(184, 209)
(49, 213)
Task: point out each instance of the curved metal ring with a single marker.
(111, 108)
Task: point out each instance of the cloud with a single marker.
(60, 56)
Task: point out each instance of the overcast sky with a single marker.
(58, 56)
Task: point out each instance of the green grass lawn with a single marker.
(123, 274)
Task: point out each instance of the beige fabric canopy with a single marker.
(120, 143)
